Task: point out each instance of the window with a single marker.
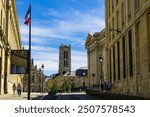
(148, 29)
(65, 54)
(109, 33)
(114, 63)
(64, 63)
(129, 9)
(136, 5)
(113, 27)
(130, 52)
(124, 57)
(123, 13)
(117, 20)
(118, 49)
(112, 5)
(116, 2)
(110, 66)
(137, 47)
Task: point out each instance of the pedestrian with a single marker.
(14, 88)
(105, 86)
(108, 84)
(19, 89)
(102, 86)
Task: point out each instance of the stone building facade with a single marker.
(64, 59)
(96, 49)
(128, 45)
(37, 79)
(68, 77)
(9, 40)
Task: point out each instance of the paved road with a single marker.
(73, 96)
(34, 96)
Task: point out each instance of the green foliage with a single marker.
(54, 87)
(67, 87)
(73, 85)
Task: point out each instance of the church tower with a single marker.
(64, 59)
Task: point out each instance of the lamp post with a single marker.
(101, 61)
(42, 77)
(40, 81)
(83, 80)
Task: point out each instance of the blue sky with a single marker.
(60, 21)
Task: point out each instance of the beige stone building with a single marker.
(37, 79)
(97, 59)
(64, 59)
(67, 78)
(9, 40)
(128, 45)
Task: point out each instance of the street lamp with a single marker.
(42, 76)
(84, 80)
(101, 61)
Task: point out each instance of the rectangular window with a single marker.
(124, 57)
(114, 63)
(109, 33)
(123, 13)
(130, 52)
(136, 5)
(112, 5)
(129, 9)
(64, 63)
(117, 20)
(116, 2)
(118, 49)
(113, 27)
(148, 29)
(137, 47)
(110, 66)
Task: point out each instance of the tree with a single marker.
(73, 85)
(67, 87)
(54, 87)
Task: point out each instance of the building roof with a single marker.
(83, 68)
(72, 73)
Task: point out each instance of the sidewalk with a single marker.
(23, 96)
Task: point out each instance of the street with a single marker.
(73, 96)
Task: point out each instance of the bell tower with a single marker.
(64, 59)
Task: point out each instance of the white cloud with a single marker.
(69, 26)
(50, 58)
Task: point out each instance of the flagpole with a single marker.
(29, 60)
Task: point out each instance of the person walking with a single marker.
(14, 88)
(19, 89)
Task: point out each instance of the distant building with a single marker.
(64, 59)
(96, 50)
(37, 79)
(82, 71)
(76, 77)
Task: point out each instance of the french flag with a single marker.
(27, 16)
